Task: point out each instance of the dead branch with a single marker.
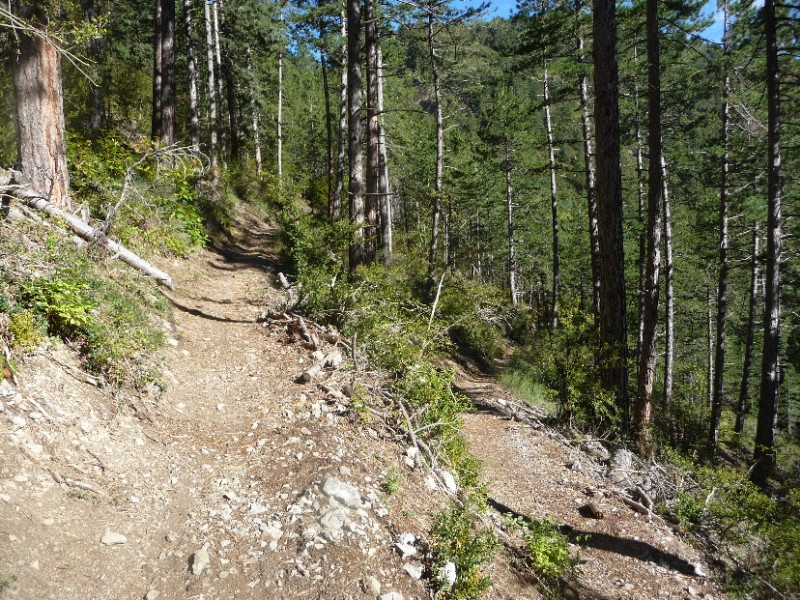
(24, 194)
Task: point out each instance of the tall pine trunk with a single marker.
(551, 159)
(439, 182)
(168, 72)
(647, 366)
(41, 144)
(223, 134)
(213, 149)
(512, 247)
(669, 291)
(722, 253)
(591, 196)
(156, 122)
(280, 106)
(744, 387)
(764, 453)
(191, 60)
(335, 208)
(613, 350)
(356, 187)
(384, 186)
(373, 132)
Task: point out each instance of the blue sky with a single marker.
(504, 8)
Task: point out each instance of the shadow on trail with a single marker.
(611, 543)
(203, 315)
(255, 248)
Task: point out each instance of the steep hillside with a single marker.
(229, 479)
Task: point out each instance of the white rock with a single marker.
(405, 550)
(48, 521)
(343, 492)
(449, 482)
(407, 538)
(5, 498)
(35, 565)
(414, 570)
(447, 575)
(391, 596)
(152, 595)
(111, 538)
(172, 342)
(371, 586)
(200, 560)
(18, 421)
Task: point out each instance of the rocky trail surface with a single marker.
(235, 481)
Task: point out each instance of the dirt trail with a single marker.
(214, 491)
(532, 471)
(219, 487)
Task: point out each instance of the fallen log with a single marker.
(29, 198)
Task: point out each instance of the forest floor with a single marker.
(234, 481)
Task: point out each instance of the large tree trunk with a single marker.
(384, 187)
(280, 104)
(647, 367)
(512, 247)
(722, 255)
(613, 326)
(335, 209)
(591, 198)
(168, 72)
(191, 59)
(551, 159)
(433, 249)
(669, 292)
(41, 144)
(356, 188)
(710, 346)
(744, 387)
(157, 123)
(326, 92)
(640, 196)
(213, 150)
(764, 454)
(373, 132)
(223, 134)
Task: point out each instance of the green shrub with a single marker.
(26, 331)
(547, 549)
(564, 361)
(760, 534)
(455, 538)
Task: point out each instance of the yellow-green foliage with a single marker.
(455, 538)
(152, 199)
(547, 550)
(113, 320)
(25, 330)
(761, 534)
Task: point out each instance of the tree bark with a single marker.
(551, 158)
(433, 249)
(41, 144)
(764, 454)
(591, 198)
(326, 92)
(710, 348)
(613, 327)
(512, 247)
(722, 253)
(212, 94)
(384, 186)
(223, 134)
(647, 367)
(669, 292)
(280, 105)
(191, 59)
(744, 387)
(373, 132)
(157, 123)
(335, 210)
(168, 72)
(356, 187)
